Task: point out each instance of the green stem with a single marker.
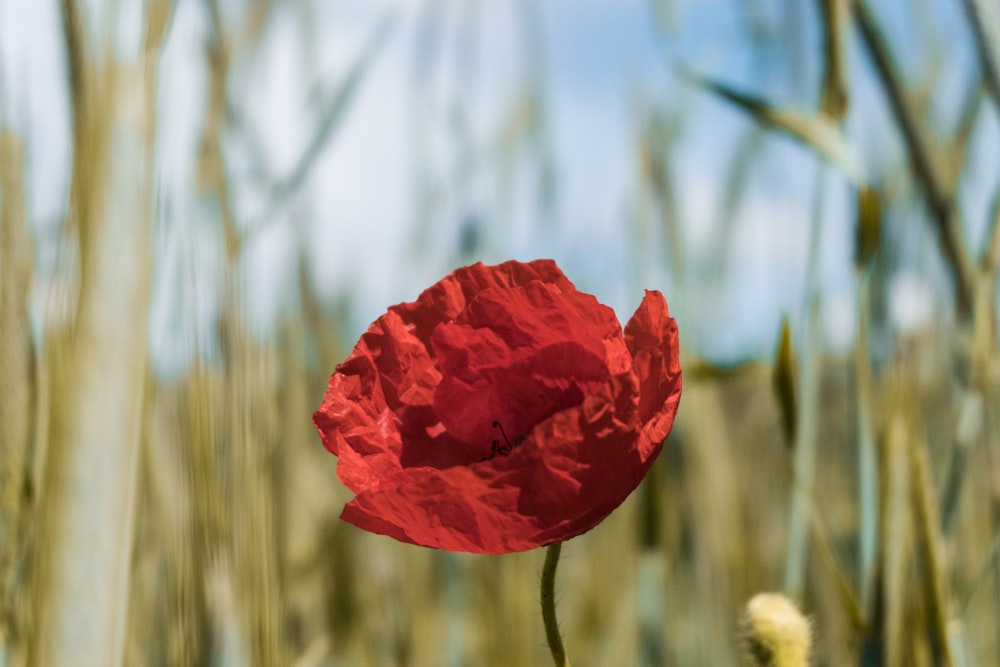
(549, 605)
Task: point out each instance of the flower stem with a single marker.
(549, 605)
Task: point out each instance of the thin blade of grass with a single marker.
(868, 235)
(931, 164)
(984, 20)
(836, 18)
(969, 428)
(927, 524)
(808, 413)
(896, 540)
(816, 131)
(17, 368)
(783, 382)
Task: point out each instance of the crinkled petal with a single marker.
(465, 508)
(447, 298)
(589, 461)
(574, 470)
(379, 402)
(516, 356)
(651, 335)
(377, 414)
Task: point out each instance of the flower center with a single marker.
(508, 446)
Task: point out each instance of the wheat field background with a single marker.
(185, 513)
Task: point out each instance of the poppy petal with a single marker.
(651, 335)
(563, 485)
(515, 356)
(448, 297)
(501, 411)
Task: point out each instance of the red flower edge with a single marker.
(501, 411)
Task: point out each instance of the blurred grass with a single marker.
(155, 521)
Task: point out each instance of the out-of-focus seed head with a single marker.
(775, 633)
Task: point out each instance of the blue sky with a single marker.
(426, 145)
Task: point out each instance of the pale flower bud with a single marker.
(775, 633)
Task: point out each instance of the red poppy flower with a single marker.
(501, 411)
